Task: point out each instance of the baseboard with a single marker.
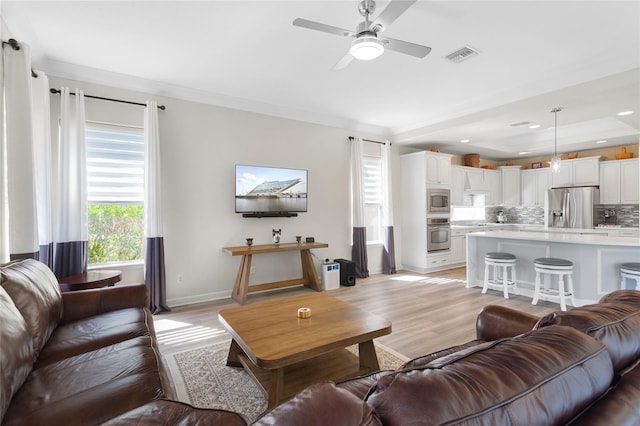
(199, 298)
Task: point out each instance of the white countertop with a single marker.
(561, 237)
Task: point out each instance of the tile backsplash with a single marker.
(626, 215)
(528, 215)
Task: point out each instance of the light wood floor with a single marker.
(429, 312)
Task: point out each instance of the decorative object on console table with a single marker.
(90, 279)
(276, 234)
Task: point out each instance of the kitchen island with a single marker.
(596, 258)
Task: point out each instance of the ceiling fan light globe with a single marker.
(366, 48)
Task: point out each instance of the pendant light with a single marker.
(555, 161)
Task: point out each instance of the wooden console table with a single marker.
(309, 275)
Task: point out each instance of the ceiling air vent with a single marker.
(462, 54)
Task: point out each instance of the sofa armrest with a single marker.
(86, 303)
(497, 322)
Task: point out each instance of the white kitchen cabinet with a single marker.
(619, 182)
(459, 248)
(414, 171)
(457, 185)
(438, 168)
(534, 183)
(510, 185)
(628, 233)
(493, 184)
(577, 172)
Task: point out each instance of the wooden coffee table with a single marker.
(285, 354)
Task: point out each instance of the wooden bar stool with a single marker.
(553, 266)
(497, 260)
(630, 271)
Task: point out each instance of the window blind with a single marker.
(115, 164)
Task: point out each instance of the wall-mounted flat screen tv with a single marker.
(270, 190)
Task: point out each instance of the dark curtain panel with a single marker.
(388, 252)
(20, 256)
(154, 275)
(359, 252)
(46, 255)
(70, 258)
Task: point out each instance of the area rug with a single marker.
(202, 379)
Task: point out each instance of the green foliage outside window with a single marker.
(116, 233)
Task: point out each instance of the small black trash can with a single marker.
(347, 272)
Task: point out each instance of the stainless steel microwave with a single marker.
(438, 200)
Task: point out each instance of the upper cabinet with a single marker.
(577, 172)
(493, 184)
(438, 168)
(510, 185)
(534, 183)
(619, 182)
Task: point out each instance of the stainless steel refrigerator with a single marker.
(570, 207)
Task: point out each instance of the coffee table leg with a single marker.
(232, 359)
(368, 357)
(276, 387)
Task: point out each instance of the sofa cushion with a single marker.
(616, 325)
(544, 377)
(96, 332)
(164, 412)
(630, 297)
(90, 388)
(35, 292)
(360, 386)
(618, 407)
(321, 404)
(16, 354)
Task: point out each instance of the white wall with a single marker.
(200, 145)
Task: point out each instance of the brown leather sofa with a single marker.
(577, 367)
(91, 357)
(83, 358)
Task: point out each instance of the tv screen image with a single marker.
(270, 190)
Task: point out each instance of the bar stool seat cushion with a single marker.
(615, 325)
(499, 256)
(633, 268)
(553, 262)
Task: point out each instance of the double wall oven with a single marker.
(438, 219)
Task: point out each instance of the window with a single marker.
(115, 193)
(372, 170)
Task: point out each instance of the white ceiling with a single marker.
(535, 55)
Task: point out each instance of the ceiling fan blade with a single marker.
(312, 25)
(406, 47)
(390, 13)
(342, 63)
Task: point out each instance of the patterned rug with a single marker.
(201, 378)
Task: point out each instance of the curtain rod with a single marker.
(351, 138)
(16, 46)
(162, 107)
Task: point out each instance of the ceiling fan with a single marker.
(368, 43)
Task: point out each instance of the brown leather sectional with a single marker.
(91, 357)
(578, 367)
(83, 358)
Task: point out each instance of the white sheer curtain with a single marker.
(154, 266)
(359, 248)
(42, 161)
(70, 232)
(18, 215)
(388, 252)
